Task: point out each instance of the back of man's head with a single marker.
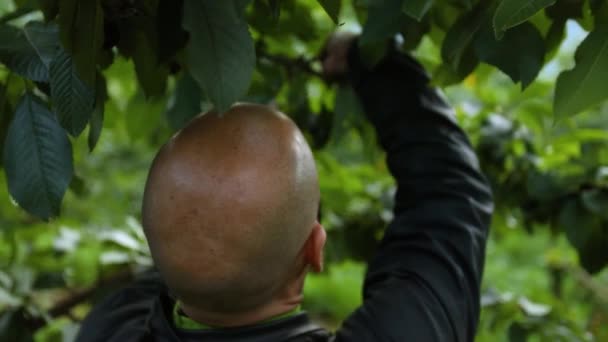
(229, 203)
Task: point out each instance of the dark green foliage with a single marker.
(210, 48)
(332, 7)
(520, 53)
(81, 28)
(220, 54)
(73, 99)
(134, 72)
(185, 103)
(37, 159)
(514, 12)
(584, 85)
(96, 121)
(29, 51)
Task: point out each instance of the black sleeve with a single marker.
(423, 283)
(123, 315)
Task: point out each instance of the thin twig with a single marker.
(301, 64)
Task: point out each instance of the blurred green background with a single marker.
(534, 288)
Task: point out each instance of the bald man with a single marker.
(230, 214)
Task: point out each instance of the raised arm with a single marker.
(423, 283)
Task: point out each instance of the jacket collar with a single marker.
(159, 325)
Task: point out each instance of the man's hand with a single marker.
(334, 57)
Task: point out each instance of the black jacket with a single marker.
(423, 283)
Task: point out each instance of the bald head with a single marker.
(228, 205)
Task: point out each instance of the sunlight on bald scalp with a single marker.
(229, 202)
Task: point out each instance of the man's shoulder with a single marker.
(142, 311)
(124, 312)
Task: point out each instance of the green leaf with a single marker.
(457, 51)
(445, 76)
(417, 9)
(81, 30)
(413, 31)
(383, 21)
(332, 8)
(514, 12)
(152, 75)
(28, 52)
(220, 55)
(554, 37)
(37, 159)
(96, 122)
(184, 103)
(73, 100)
(586, 233)
(142, 40)
(584, 86)
(464, 4)
(520, 54)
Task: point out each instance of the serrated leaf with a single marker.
(417, 9)
(96, 121)
(332, 8)
(584, 85)
(520, 54)
(220, 55)
(184, 103)
(383, 21)
(29, 51)
(73, 100)
(37, 159)
(81, 31)
(514, 12)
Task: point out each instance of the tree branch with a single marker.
(302, 64)
(65, 305)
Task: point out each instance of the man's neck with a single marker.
(257, 315)
(288, 299)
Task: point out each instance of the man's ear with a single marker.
(314, 247)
